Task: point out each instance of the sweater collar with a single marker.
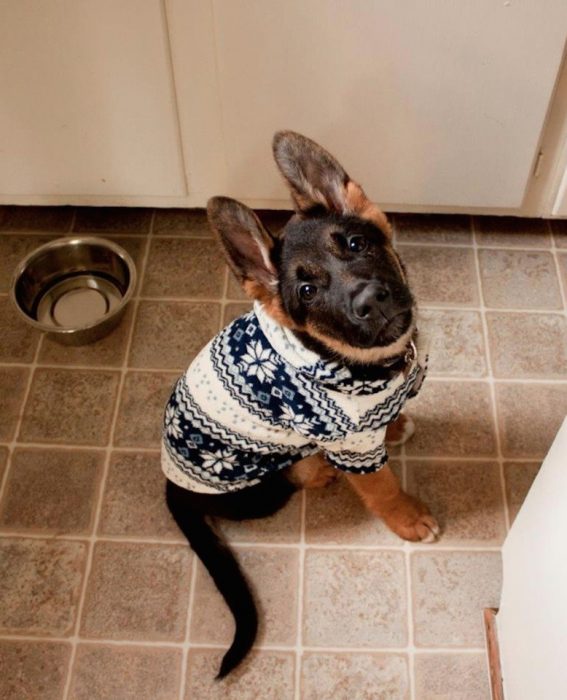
(331, 373)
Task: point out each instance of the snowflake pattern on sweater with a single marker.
(255, 400)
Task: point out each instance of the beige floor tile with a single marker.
(455, 340)
(106, 352)
(168, 335)
(234, 290)
(354, 677)
(559, 230)
(432, 228)
(40, 583)
(33, 670)
(527, 345)
(234, 310)
(184, 267)
(450, 591)
(519, 279)
(441, 275)
(142, 403)
(51, 490)
(18, 340)
(137, 592)
(465, 497)
(529, 417)
(36, 219)
(13, 382)
(336, 515)
(112, 220)
(182, 222)
(13, 249)
(451, 676)
(452, 419)
(71, 406)
(512, 231)
(133, 503)
(354, 599)
(519, 477)
(125, 673)
(273, 574)
(264, 675)
(283, 527)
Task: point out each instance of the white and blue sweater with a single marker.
(255, 400)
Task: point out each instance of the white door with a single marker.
(532, 620)
(427, 103)
(87, 105)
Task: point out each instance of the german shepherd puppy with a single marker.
(304, 386)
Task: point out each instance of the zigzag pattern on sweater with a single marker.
(357, 463)
(193, 415)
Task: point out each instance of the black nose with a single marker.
(371, 301)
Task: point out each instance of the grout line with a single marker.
(155, 451)
(492, 386)
(224, 299)
(177, 370)
(406, 547)
(186, 642)
(482, 246)
(300, 603)
(474, 546)
(92, 539)
(489, 309)
(14, 441)
(410, 623)
(555, 253)
(264, 647)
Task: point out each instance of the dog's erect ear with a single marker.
(247, 244)
(316, 179)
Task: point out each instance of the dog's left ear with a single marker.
(316, 179)
(247, 244)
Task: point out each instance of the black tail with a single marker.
(225, 572)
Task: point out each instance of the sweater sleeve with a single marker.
(359, 453)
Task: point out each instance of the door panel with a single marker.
(426, 103)
(86, 99)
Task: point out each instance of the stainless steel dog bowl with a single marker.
(75, 289)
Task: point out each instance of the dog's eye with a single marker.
(357, 244)
(307, 292)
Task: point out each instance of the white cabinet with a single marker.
(432, 105)
(427, 103)
(87, 105)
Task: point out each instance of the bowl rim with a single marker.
(62, 243)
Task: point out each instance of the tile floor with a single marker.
(100, 597)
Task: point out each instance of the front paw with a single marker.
(411, 520)
(400, 430)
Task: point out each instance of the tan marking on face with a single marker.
(271, 303)
(361, 355)
(358, 203)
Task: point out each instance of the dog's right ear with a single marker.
(317, 180)
(247, 244)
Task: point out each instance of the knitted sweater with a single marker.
(255, 400)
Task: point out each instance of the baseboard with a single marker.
(493, 651)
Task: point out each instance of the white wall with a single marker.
(532, 621)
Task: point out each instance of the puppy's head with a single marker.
(332, 275)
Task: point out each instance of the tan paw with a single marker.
(400, 430)
(312, 472)
(411, 520)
